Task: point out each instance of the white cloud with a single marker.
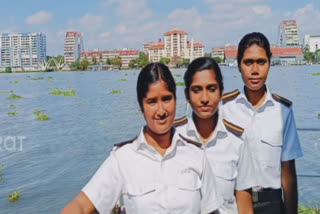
(91, 21)
(262, 10)
(39, 18)
(185, 19)
(105, 35)
(121, 29)
(307, 19)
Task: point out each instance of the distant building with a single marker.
(230, 55)
(217, 52)
(288, 34)
(73, 46)
(287, 55)
(146, 46)
(22, 50)
(312, 41)
(175, 45)
(101, 56)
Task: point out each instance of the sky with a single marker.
(110, 24)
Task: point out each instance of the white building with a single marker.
(175, 45)
(288, 33)
(73, 46)
(312, 41)
(22, 50)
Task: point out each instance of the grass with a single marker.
(37, 78)
(180, 84)
(315, 74)
(116, 92)
(14, 196)
(40, 115)
(13, 96)
(59, 92)
(122, 80)
(302, 209)
(12, 113)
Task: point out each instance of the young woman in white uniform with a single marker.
(158, 172)
(222, 141)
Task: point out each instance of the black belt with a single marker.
(266, 194)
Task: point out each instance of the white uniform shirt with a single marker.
(271, 132)
(230, 161)
(179, 182)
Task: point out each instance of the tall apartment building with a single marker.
(312, 41)
(175, 44)
(73, 46)
(22, 50)
(288, 33)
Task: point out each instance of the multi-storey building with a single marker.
(217, 52)
(175, 45)
(22, 50)
(126, 56)
(313, 42)
(73, 46)
(288, 33)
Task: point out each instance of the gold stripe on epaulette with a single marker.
(282, 99)
(180, 121)
(237, 130)
(125, 142)
(230, 96)
(191, 141)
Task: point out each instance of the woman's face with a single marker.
(159, 108)
(254, 67)
(204, 94)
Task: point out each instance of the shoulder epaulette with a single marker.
(125, 142)
(237, 130)
(180, 121)
(197, 144)
(230, 96)
(282, 99)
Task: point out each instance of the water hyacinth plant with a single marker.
(40, 115)
(177, 75)
(180, 84)
(302, 209)
(37, 78)
(59, 92)
(122, 80)
(13, 96)
(1, 166)
(14, 196)
(116, 92)
(315, 74)
(12, 113)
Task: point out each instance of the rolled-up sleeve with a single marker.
(105, 186)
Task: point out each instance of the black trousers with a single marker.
(268, 201)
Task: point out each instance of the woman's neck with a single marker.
(205, 127)
(256, 98)
(160, 142)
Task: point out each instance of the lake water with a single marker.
(60, 155)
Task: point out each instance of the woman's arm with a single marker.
(244, 201)
(289, 184)
(79, 205)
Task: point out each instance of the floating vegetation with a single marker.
(40, 115)
(177, 75)
(1, 166)
(13, 96)
(315, 74)
(12, 113)
(302, 209)
(14, 82)
(101, 123)
(58, 92)
(12, 197)
(50, 79)
(122, 80)
(126, 74)
(319, 115)
(235, 76)
(79, 104)
(4, 92)
(37, 78)
(70, 87)
(12, 106)
(116, 92)
(180, 84)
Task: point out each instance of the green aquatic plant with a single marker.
(12, 106)
(14, 82)
(319, 115)
(79, 104)
(180, 84)
(50, 79)
(1, 166)
(101, 123)
(235, 76)
(58, 92)
(302, 209)
(13, 96)
(12, 113)
(5, 92)
(116, 92)
(315, 74)
(177, 75)
(122, 80)
(14, 196)
(37, 78)
(40, 115)
(126, 74)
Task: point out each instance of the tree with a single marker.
(165, 60)
(308, 56)
(143, 60)
(75, 66)
(8, 70)
(84, 64)
(117, 61)
(108, 61)
(94, 60)
(100, 58)
(133, 63)
(218, 59)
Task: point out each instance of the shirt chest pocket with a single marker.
(139, 190)
(189, 181)
(270, 148)
(226, 174)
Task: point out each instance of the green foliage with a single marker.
(180, 84)
(14, 196)
(302, 209)
(37, 78)
(75, 66)
(116, 92)
(122, 80)
(40, 115)
(84, 64)
(14, 82)
(315, 74)
(101, 123)
(165, 60)
(79, 104)
(8, 70)
(177, 75)
(58, 92)
(94, 60)
(117, 61)
(218, 59)
(13, 96)
(143, 60)
(50, 79)
(1, 166)
(12, 113)
(319, 115)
